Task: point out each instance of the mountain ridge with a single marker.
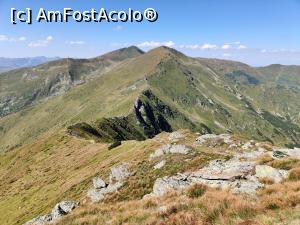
(207, 92)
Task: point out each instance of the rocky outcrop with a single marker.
(170, 149)
(60, 209)
(240, 174)
(116, 180)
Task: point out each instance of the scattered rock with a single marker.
(173, 149)
(160, 164)
(214, 139)
(285, 152)
(262, 171)
(116, 179)
(60, 209)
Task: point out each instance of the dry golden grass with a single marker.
(264, 159)
(213, 207)
(294, 174)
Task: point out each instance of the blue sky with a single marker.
(256, 32)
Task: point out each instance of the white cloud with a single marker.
(22, 39)
(118, 28)
(209, 46)
(41, 43)
(226, 46)
(75, 42)
(154, 44)
(241, 47)
(11, 39)
(196, 46)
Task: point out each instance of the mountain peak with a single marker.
(165, 50)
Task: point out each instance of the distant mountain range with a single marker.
(7, 64)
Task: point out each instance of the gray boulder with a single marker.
(63, 208)
(119, 173)
(165, 184)
(98, 183)
(116, 181)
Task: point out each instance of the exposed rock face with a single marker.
(60, 209)
(116, 181)
(262, 171)
(170, 149)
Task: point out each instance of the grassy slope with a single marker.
(37, 176)
(187, 82)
